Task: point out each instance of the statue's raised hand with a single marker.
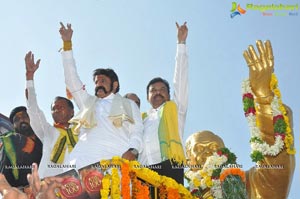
(260, 68)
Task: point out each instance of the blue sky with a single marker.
(138, 40)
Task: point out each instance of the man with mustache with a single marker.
(20, 120)
(58, 139)
(164, 122)
(111, 124)
(20, 148)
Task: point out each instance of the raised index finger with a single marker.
(62, 25)
(28, 55)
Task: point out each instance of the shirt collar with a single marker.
(109, 97)
(156, 109)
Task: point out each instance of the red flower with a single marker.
(248, 95)
(281, 135)
(250, 110)
(277, 117)
(194, 191)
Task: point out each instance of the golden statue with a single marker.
(271, 140)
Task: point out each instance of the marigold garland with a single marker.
(104, 192)
(282, 130)
(115, 184)
(163, 191)
(173, 193)
(125, 180)
(104, 164)
(146, 191)
(134, 188)
(156, 180)
(288, 139)
(116, 161)
(131, 171)
(142, 190)
(233, 171)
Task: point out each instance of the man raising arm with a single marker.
(58, 139)
(164, 122)
(111, 124)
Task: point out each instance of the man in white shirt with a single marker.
(110, 124)
(161, 146)
(58, 139)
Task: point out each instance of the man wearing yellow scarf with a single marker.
(164, 122)
(58, 139)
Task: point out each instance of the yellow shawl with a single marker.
(66, 140)
(168, 134)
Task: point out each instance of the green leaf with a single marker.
(280, 126)
(256, 156)
(248, 103)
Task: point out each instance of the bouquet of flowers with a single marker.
(219, 178)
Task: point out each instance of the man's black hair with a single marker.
(158, 79)
(110, 73)
(69, 102)
(15, 111)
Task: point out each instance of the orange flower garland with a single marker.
(134, 189)
(142, 190)
(233, 171)
(130, 187)
(162, 191)
(125, 181)
(146, 191)
(173, 193)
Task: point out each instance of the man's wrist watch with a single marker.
(134, 152)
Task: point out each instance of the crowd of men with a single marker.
(108, 124)
(105, 126)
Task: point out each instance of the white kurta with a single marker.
(105, 140)
(47, 133)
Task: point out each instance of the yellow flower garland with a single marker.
(115, 184)
(104, 192)
(261, 148)
(288, 141)
(113, 181)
